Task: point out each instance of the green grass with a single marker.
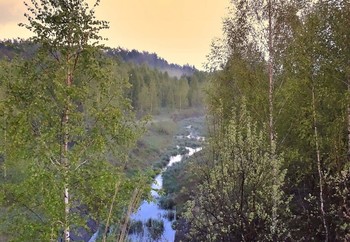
(3, 237)
(154, 144)
(158, 142)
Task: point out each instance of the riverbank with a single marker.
(158, 143)
(154, 220)
(165, 142)
(171, 140)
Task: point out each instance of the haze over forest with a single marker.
(179, 31)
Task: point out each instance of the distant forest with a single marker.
(275, 165)
(152, 60)
(155, 84)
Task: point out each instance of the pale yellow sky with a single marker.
(178, 30)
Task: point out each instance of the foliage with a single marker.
(153, 61)
(155, 228)
(64, 114)
(153, 90)
(311, 80)
(233, 200)
(136, 227)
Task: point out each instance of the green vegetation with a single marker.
(154, 143)
(242, 175)
(136, 227)
(76, 142)
(74, 145)
(277, 164)
(151, 92)
(155, 228)
(178, 182)
(159, 142)
(66, 129)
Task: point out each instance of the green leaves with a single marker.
(62, 24)
(233, 201)
(65, 118)
(311, 93)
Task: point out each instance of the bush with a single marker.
(166, 203)
(170, 215)
(155, 228)
(136, 227)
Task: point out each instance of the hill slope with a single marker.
(153, 61)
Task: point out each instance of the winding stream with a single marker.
(150, 214)
(151, 210)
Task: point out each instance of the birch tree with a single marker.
(66, 117)
(263, 25)
(233, 200)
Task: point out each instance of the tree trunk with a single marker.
(271, 124)
(5, 153)
(66, 211)
(271, 81)
(104, 239)
(348, 117)
(241, 204)
(66, 161)
(66, 180)
(132, 203)
(151, 108)
(180, 102)
(318, 157)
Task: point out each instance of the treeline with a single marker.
(68, 125)
(152, 88)
(153, 91)
(277, 164)
(10, 48)
(152, 60)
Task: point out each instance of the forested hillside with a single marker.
(152, 60)
(153, 89)
(78, 155)
(72, 122)
(277, 164)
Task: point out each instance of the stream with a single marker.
(151, 210)
(152, 223)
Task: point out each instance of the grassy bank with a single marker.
(159, 142)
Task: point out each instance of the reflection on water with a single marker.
(150, 222)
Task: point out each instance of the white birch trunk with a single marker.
(348, 117)
(318, 158)
(271, 123)
(66, 161)
(66, 211)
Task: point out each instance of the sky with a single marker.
(179, 31)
